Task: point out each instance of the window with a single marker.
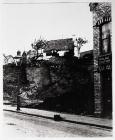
(106, 43)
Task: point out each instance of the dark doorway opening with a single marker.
(107, 93)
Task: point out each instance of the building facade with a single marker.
(102, 36)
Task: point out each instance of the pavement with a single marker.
(72, 118)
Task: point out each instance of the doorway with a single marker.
(107, 93)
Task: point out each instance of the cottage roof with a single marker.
(60, 44)
(89, 52)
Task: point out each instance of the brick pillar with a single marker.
(97, 75)
(97, 94)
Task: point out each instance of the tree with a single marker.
(39, 44)
(78, 43)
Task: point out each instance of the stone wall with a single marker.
(33, 76)
(71, 86)
(11, 81)
(69, 82)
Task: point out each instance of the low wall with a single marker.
(68, 84)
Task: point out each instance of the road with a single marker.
(23, 125)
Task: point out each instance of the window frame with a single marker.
(102, 39)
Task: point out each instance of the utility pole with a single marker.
(18, 93)
(18, 66)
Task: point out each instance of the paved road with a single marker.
(23, 125)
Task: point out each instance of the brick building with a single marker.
(102, 35)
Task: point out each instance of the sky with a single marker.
(22, 23)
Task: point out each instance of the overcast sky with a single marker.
(22, 23)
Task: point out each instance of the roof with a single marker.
(86, 53)
(60, 44)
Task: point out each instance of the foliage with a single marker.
(78, 42)
(39, 44)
